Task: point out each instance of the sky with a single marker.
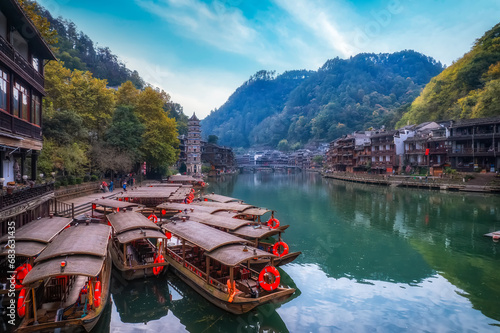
(201, 51)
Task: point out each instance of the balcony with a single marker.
(24, 194)
(29, 71)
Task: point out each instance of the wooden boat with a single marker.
(185, 180)
(108, 206)
(217, 265)
(26, 243)
(68, 286)
(260, 235)
(138, 246)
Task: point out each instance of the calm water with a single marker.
(374, 259)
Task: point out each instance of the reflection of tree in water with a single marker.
(199, 315)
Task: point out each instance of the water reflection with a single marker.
(168, 304)
(385, 241)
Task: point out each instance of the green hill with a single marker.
(469, 88)
(368, 90)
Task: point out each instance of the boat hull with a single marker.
(219, 298)
(85, 324)
(136, 271)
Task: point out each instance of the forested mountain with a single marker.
(368, 90)
(78, 51)
(469, 88)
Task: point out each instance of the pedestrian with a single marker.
(101, 188)
(111, 186)
(125, 186)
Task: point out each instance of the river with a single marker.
(374, 259)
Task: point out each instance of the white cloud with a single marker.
(197, 90)
(319, 19)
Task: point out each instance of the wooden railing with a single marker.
(24, 194)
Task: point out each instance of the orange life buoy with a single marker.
(97, 294)
(277, 246)
(158, 260)
(21, 308)
(153, 218)
(203, 184)
(273, 223)
(269, 286)
(21, 272)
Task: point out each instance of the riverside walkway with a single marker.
(486, 183)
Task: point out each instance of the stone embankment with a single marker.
(487, 183)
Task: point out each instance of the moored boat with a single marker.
(138, 245)
(261, 236)
(68, 286)
(20, 247)
(217, 265)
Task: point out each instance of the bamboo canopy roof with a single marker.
(24, 248)
(196, 208)
(124, 221)
(220, 198)
(82, 239)
(42, 230)
(131, 235)
(166, 185)
(114, 203)
(232, 255)
(75, 265)
(206, 237)
(183, 178)
(256, 211)
(234, 206)
(221, 221)
(180, 194)
(148, 192)
(249, 231)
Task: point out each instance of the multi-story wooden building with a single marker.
(383, 152)
(475, 144)
(221, 159)
(23, 53)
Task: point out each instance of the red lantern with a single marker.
(163, 212)
(94, 206)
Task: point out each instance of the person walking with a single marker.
(111, 186)
(125, 186)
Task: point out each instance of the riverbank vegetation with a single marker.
(91, 129)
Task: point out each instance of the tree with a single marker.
(32, 10)
(125, 132)
(283, 145)
(213, 139)
(127, 94)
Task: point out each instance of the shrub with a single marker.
(94, 178)
(78, 180)
(86, 178)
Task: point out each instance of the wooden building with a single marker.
(475, 145)
(23, 53)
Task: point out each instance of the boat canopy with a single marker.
(42, 230)
(114, 203)
(220, 221)
(75, 265)
(183, 178)
(148, 192)
(220, 198)
(131, 235)
(255, 211)
(124, 221)
(83, 239)
(233, 206)
(24, 248)
(180, 194)
(232, 255)
(249, 231)
(206, 237)
(193, 206)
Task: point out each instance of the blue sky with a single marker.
(200, 51)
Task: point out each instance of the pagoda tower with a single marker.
(193, 146)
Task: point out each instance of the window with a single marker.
(3, 89)
(36, 110)
(20, 101)
(36, 64)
